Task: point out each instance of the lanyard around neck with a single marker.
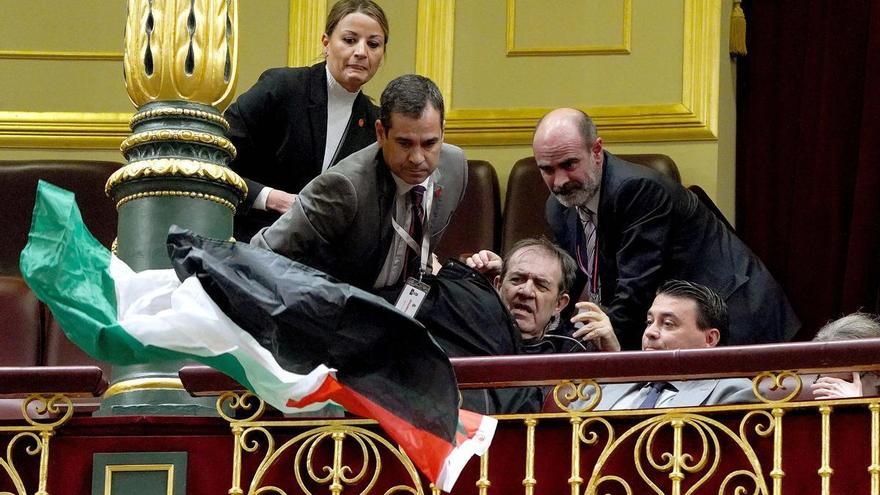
(426, 231)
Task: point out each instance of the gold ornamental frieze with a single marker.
(176, 194)
(177, 135)
(190, 113)
(175, 167)
(183, 50)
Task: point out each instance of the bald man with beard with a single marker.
(630, 228)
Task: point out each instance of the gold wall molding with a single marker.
(305, 27)
(622, 48)
(435, 39)
(63, 129)
(694, 118)
(59, 55)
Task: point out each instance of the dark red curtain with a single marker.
(808, 152)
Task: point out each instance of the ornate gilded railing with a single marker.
(44, 396)
(781, 444)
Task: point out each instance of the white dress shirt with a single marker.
(393, 266)
(339, 106)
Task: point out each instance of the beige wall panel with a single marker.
(70, 26)
(484, 77)
(63, 86)
(48, 52)
(400, 55)
(265, 31)
(262, 39)
(479, 61)
(725, 192)
(595, 23)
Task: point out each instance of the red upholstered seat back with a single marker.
(477, 220)
(21, 324)
(59, 351)
(19, 183)
(527, 194)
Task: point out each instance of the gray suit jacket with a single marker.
(341, 222)
(690, 393)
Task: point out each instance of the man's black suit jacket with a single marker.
(279, 129)
(651, 229)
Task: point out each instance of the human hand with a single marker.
(485, 262)
(828, 387)
(280, 201)
(594, 327)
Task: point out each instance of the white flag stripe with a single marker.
(157, 310)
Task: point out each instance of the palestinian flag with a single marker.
(291, 334)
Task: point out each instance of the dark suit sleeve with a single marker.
(252, 118)
(321, 216)
(642, 218)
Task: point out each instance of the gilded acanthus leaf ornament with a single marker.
(181, 50)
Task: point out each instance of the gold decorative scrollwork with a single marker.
(252, 436)
(174, 167)
(50, 412)
(8, 464)
(338, 475)
(184, 135)
(777, 382)
(616, 479)
(580, 396)
(679, 462)
(591, 437)
(760, 429)
(739, 490)
(244, 401)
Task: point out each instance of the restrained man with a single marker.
(362, 221)
(630, 228)
(534, 282)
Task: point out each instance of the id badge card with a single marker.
(412, 296)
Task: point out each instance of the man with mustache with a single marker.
(630, 228)
(373, 219)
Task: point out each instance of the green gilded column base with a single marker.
(152, 390)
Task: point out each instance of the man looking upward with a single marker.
(683, 315)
